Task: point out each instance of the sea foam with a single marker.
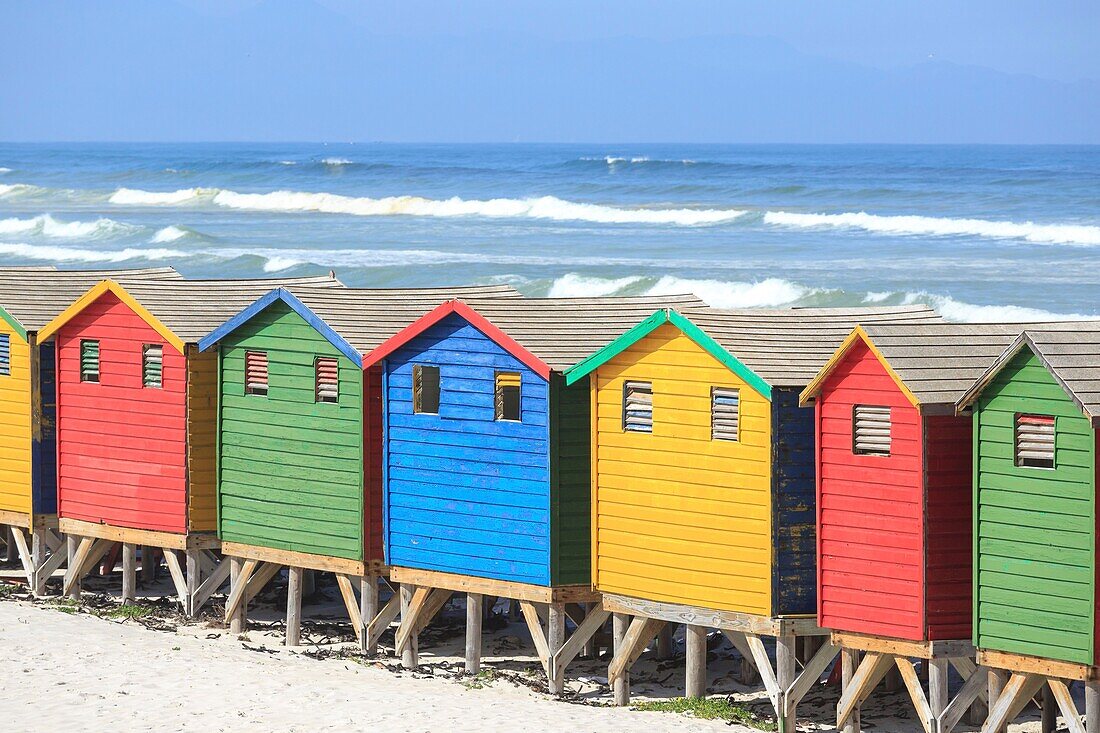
(573, 285)
(78, 254)
(137, 197)
(47, 226)
(1082, 234)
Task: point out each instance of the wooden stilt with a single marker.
(555, 639)
(620, 622)
(294, 606)
(664, 642)
(10, 551)
(72, 590)
(695, 658)
(238, 619)
(785, 672)
(368, 611)
(38, 559)
(1048, 711)
(849, 663)
(590, 648)
(474, 616)
(129, 572)
(1015, 694)
(1092, 707)
(409, 649)
(309, 583)
(148, 564)
(997, 680)
(937, 686)
(193, 580)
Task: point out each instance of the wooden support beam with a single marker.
(916, 692)
(555, 640)
(382, 621)
(538, 636)
(260, 578)
(412, 598)
(474, 614)
(179, 579)
(664, 642)
(39, 548)
(938, 694)
(129, 572)
(849, 663)
(639, 634)
(581, 636)
(148, 563)
(294, 606)
(973, 688)
(1092, 707)
(87, 554)
(1012, 699)
(1060, 695)
(236, 605)
(368, 609)
(764, 667)
(1048, 710)
(194, 579)
(815, 667)
(785, 672)
(435, 603)
(351, 603)
(997, 680)
(46, 570)
(24, 552)
(695, 661)
(621, 685)
(870, 672)
(216, 579)
(966, 667)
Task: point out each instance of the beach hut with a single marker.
(300, 434)
(29, 299)
(136, 425)
(704, 483)
(486, 464)
(894, 476)
(1036, 414)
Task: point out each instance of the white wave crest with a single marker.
(4, 170)
(169, 234)
(573, 285)
(18, 189)
(137, 197)
(928, 225)
(77, 254)
(769, 293)
(336, 161)
(877, 297)
(546, 207)
(47, 226)
(960, 311)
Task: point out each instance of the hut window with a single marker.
(327, 379)
(507, 396)
(1035, 441)
(89, 361)
(425, 390)
(152, 365)
(871, 430)
(725, 413)
(638, 407)
(5, 354)
(255, 373)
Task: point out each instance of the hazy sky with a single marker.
(567, 70)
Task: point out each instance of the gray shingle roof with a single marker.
(34, 296)
(564, 331)
(1070, 351)
(366, 317)
(193, 308)
(787, 347)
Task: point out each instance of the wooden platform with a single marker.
(41, 551)
(28, 521)
(490, 587)
(1021, 676)
(714, 619)
(150, 538)
(938, 649)
(305, 560)
(1037, 665)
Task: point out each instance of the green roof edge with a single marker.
(689, 329)
(10, 320)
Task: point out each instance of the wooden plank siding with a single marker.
(681, 517)
(466, 493)
(122, 448)
(202, 423)
(291, 471)
(794, 515)
(949, 529)
(1035, 528)
(15, 426)
(570, 482)
(44, 430)
(870, 508)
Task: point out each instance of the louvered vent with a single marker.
(152, 365)
(5, 354)
(871, 430)
(725, 413)
(89, 361)
(255, 373)
(638, 407)
(1035, 441)
(507, 396)
(327, 379)
(425, 389)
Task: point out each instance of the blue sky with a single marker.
(568, 71)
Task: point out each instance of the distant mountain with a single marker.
(289, 70)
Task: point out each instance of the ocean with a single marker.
(980, 232)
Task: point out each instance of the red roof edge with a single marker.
(475, 319)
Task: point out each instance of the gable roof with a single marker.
(546, 334)
(30, 297)
(182, 311)
(767, 347)
(932, 363)
(1069, 351)
(355, 320)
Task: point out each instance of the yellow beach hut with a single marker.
(703, 483)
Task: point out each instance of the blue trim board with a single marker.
(298, 307)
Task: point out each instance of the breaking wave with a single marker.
(77, 254)
(47, 226)
(1082, 234)
(137, 197)
(337, 161)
